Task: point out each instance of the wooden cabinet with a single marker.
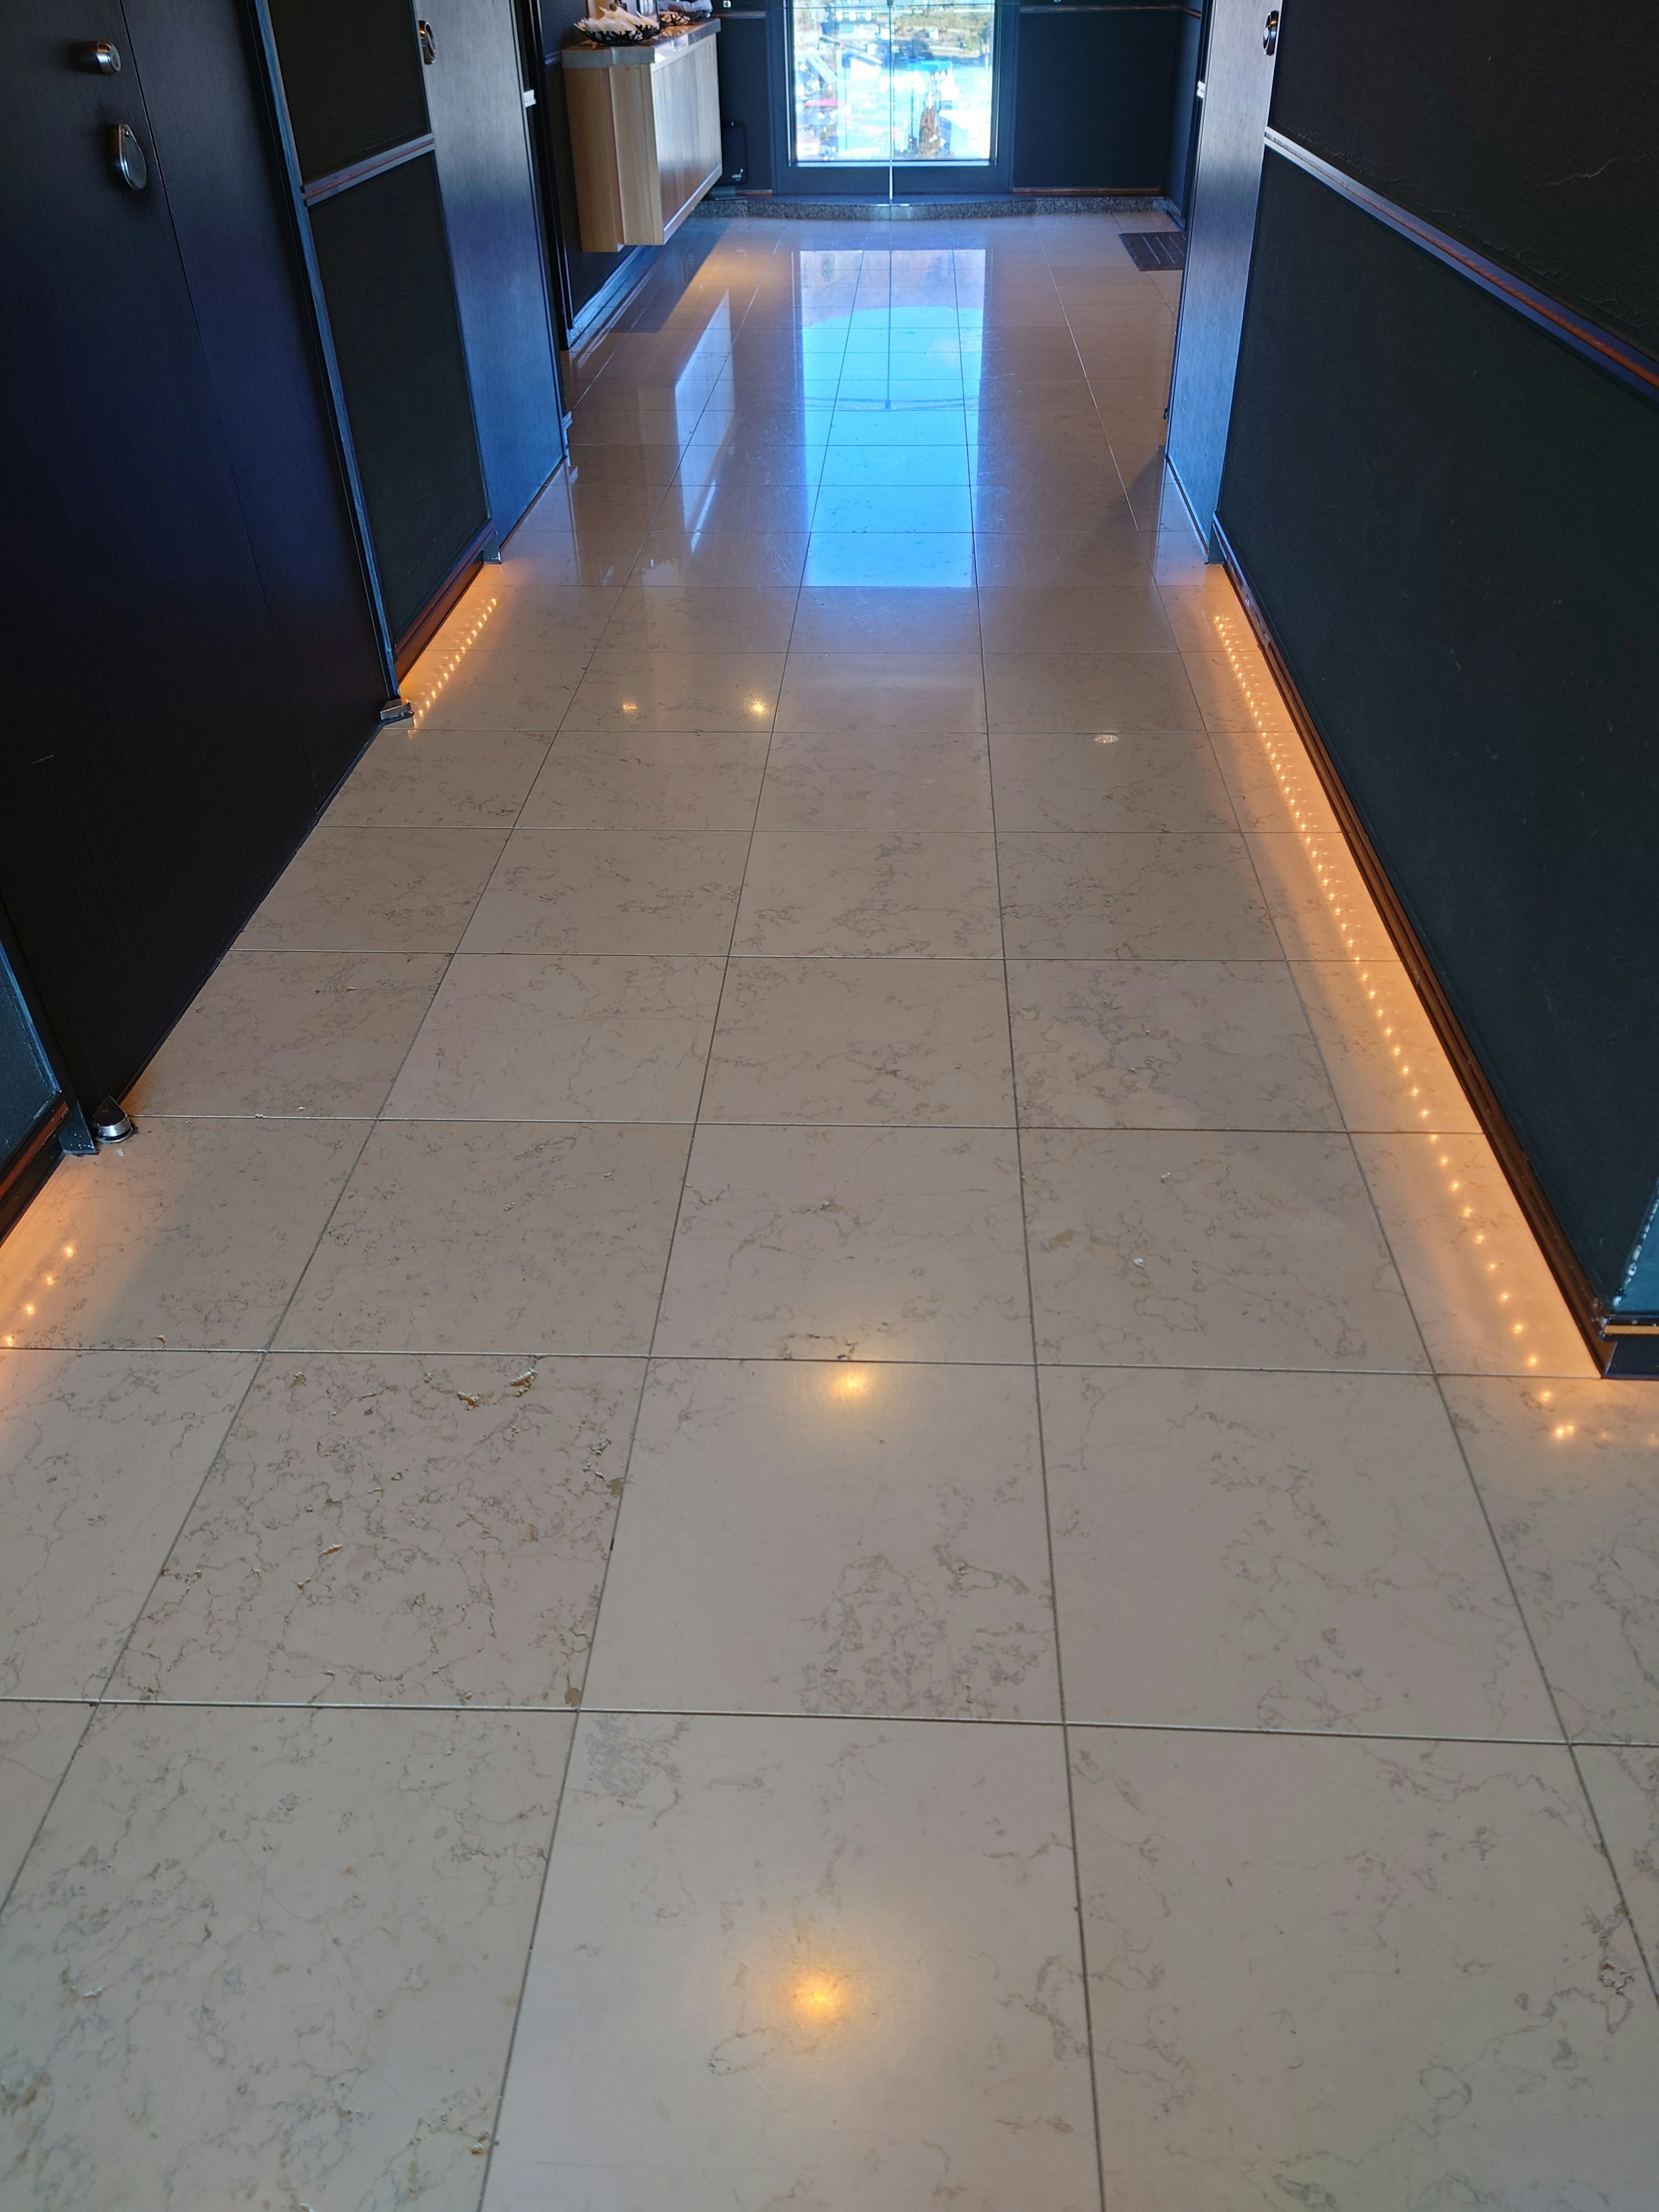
(645, 128)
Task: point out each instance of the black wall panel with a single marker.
(352, 72)
(743, 51)
(1093, 101)
(1448, 518)
(1524, 129)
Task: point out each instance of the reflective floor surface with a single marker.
(808, 1464)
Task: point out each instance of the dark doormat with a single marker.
(1156, 249)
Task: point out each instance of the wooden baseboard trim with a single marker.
(1612, 1341)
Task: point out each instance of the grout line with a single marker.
(25, 1855)
(1055, 1726)
(1078, 1900)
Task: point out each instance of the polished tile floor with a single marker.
(808, 1461)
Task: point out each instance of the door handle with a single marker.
(1270, 35)
(429, 40)
(128, 157)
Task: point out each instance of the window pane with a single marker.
(842, 105)
(892, 80)
(942, 80)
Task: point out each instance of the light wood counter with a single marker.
(645, 132)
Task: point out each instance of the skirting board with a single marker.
(1619, 1347)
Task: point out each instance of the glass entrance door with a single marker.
(893, 96)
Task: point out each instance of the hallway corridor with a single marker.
(808, 1463)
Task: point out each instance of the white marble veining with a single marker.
(520, 1038)
(192, 1233)
(37, 1742)
(849, 1244)
(610, 891)
(292, 1033)
(1180, 1249)
(474, 1236)
(905, 1041)
(1175, 1044)
(1299, 1552)
(1357, 1973)
(1131, 896)
(101, 1453)
(863, 1539)
(272, 1958)
(892, 894)
(1569, 1474)
(352, 889)
(395, 1531)
(843, 1955)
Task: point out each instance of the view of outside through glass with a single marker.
(908, 80)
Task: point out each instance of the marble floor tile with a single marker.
(1319, 903)
(192, 1234)
(1173, 1248)
(390, 1531)
(841, 1244)
(1033, 693)
(924, 468)
(417, 777)
(939, 560)
(1482, 1292)
(1164, 1044)
(908, 1043)
(101, 1454)
(301, 1033)
(891, 778)
(1623, 1786)
(1131, 896)
(855, 694)
(734, 620)
(629, 688)
(890, 895)
(516, 1036)
(1300, 1552)
(1075, 618)
(352, 890)
(773, 559)
(893, 506)
(1385, 1063)
(658, 779)
(1357, 1973)
(1569, 1474)
(1110, 782)
(863, 1540)
(37, 1742)
(891, 619)
(509, 687)
(865, 1992)
(473, 1236)
(610, 891)
(295, 1942)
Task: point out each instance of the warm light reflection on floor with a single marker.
(430, 686)
(1294, 774)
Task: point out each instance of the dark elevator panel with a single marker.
(352, 85)
(1093, 99)
(397, 334)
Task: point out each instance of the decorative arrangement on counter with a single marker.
(621, 25)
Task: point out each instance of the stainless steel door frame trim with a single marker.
(1615, 354)
(342, 180)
